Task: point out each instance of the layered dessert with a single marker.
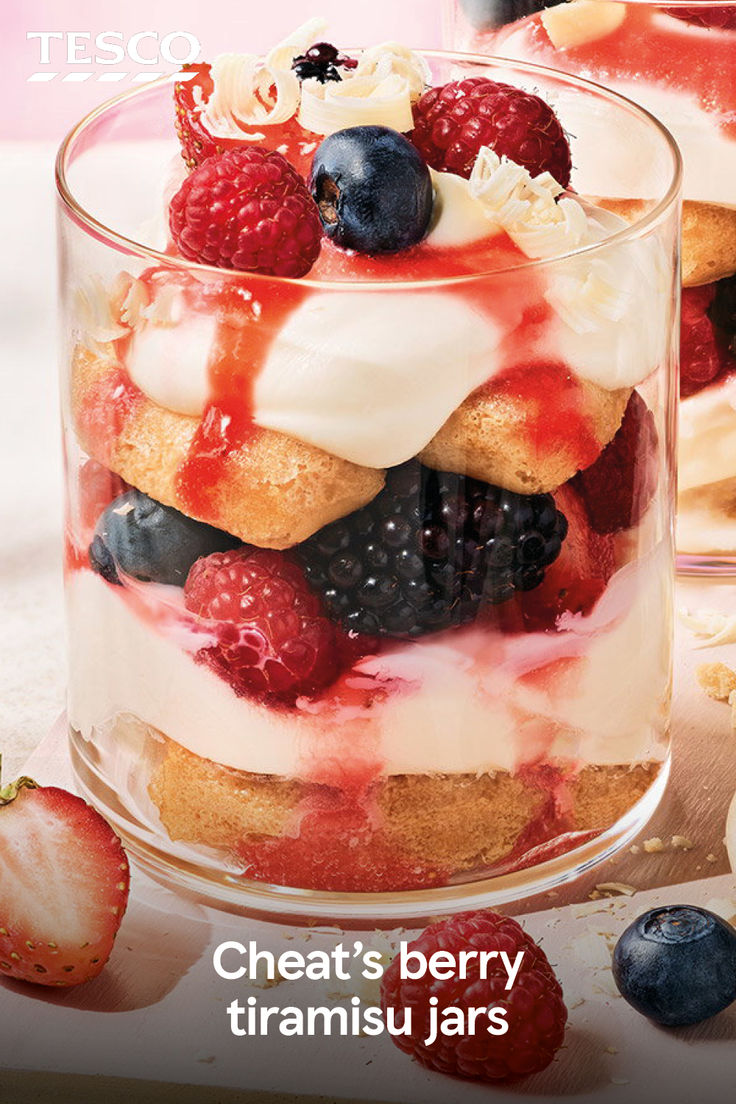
(368, 554)
(680, 63)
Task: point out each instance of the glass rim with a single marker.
(155, 257)
(679, 3)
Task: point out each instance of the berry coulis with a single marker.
(649, 46)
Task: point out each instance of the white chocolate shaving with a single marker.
(588, 292)
(525, 206)
(358, 101)
(717, 628)
(98, 319)
(388, 79)
(253, 92)
(393, 59)
(250, 91)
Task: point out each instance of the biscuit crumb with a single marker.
(682, 843)
(718, 680)
(711, 858)
(616, 887)
(654, 845)
(634, 849)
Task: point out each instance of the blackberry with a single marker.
(322, 62)
(429, 551)
(722, 310)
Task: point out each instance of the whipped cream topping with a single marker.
(458, 216)
(467, 702)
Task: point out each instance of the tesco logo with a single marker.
(80, 53)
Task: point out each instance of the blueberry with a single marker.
(677, 965)
(486, 15)
(154, 543)
(373, 189)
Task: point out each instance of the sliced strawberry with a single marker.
(98, 487)
(197, 144)
(64, 882)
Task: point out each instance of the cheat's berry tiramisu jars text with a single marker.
(679, 62)
(368, 432)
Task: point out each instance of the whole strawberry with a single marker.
(453, 121)
(247, 209)
(64, 882)
(534, 1009)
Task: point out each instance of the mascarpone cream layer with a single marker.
(464, 702)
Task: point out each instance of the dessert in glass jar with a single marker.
(679, 62)
(370, 479)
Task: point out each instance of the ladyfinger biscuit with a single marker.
(490, 437)
(708, 237)
(271, 491)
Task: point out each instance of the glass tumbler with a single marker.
(678, 61)
(486, 619)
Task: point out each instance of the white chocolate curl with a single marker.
(250, 91)
(388, 79)
(253, 92)
(525, 206)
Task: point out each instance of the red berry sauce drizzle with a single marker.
(652, 47)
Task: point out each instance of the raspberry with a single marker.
(535, 1011)
(452, 122)
(704, 349)
(429, 550)
(247, 209)
(573, 583)
(273, 642)
(716, 16)
(619, 486)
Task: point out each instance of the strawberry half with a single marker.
(64, 882)
(197, 144)
(196, 141)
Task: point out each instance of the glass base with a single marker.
(689, 563)
(203, 873)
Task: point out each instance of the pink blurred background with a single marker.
(46, 108)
